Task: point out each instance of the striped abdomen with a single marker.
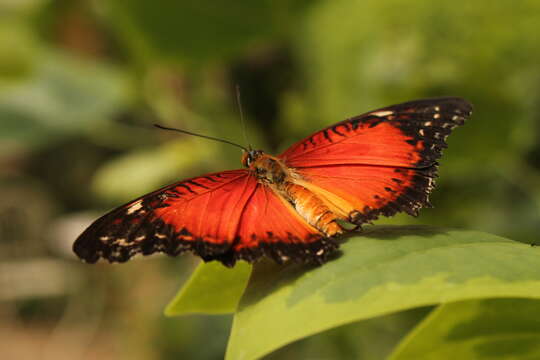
(312, 208)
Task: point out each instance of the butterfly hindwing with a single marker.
(373, 190)
(270, 226)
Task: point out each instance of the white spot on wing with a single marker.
(382, 113)
(135, 207)
(121, 242)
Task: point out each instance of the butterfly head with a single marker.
(248, 157)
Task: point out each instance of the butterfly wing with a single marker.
(381, 162)
(199, 215)
(271, 226)
(225, 216)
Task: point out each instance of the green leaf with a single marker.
(385, 270)
(481, 329)
(212, 289)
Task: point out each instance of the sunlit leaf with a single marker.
(211, 289)
(385, 270)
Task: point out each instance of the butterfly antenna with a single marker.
(239, 102)
(203, 136)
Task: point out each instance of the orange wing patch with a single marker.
(370, 191)
(199, 215)
(367, 143)
(208, 211)
(271, 226)
(411, 135)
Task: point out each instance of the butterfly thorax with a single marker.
(267, 169)
(284, 181)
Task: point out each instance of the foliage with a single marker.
(481, 329)
(388, 269)
(208, 282)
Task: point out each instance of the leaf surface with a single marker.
(383, 270)
(476, 329)
(211, 289)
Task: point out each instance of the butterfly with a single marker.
(293, 206)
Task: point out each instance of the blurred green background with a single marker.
(81, 82)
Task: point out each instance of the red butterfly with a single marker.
(288, 207)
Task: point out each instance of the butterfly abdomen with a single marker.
(312, 209)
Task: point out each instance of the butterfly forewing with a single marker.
(271, 226)
(411, 134)
(200, 215)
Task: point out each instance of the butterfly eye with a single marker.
(251, 156)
